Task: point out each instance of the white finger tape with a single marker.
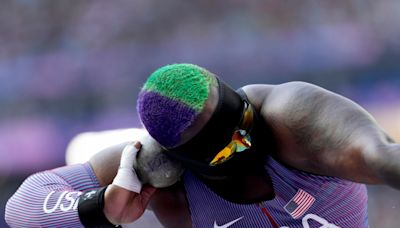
(126, 176)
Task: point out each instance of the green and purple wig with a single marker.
(169, 103)
(171, 99)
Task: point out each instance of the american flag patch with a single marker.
(299, 204)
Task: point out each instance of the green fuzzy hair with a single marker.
(186, 83)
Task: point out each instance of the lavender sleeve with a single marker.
(50, 198)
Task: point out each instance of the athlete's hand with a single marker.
(125, 200)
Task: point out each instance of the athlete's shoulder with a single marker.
(296, 90)
(257, 93)
(262, 94)
(292, 86)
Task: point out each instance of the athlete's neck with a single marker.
(243, 189)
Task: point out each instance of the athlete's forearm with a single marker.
(50, 198)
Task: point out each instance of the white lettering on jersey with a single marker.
(71, 199)
(67, 196)
(76, 203)
(324, 223)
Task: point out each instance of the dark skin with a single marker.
(314, 130)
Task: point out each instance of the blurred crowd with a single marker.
(69, 67)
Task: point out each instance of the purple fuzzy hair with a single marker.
(165, 119)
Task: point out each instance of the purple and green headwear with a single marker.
(168, 104)
(171, 99)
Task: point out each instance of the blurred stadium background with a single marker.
(68, 67)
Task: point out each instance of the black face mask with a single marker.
(198, 152)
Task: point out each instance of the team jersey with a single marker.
(50, 198)
(301, 200)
